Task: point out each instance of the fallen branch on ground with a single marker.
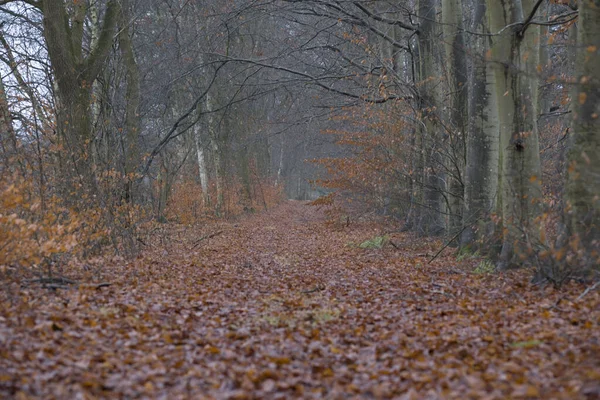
(64, 283)
(447, 244)
(313, 290)
(594, 286)
(209, 236)
(59, 280)
(394, 245)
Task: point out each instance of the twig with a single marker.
(456, 271)
(440, 292)
(55, 286)
(209, 236)
(315, 289)
(99, 285)
(64, 283)
(594, 286)
(447, 244)
(60, 280)
(556, 303)
(527, 21)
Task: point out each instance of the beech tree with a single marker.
(209, 105)
(76, 63)
(456, 76)
(481, 175)
(520, 180)
(583, 185)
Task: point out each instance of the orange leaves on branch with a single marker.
(28, 234)
(187, 206)
(376, 155)
(327, 200)
(36, 229)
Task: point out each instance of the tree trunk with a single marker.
(74, 73)
(279, 162)
(164, 189)
(217, 160)
(216, 155)
(8, 139)
(202, 169)
(520, 174)
(481, 180)
(456, 72)
(583, 181)
(433, 221)
(531, 56)
(132, 98)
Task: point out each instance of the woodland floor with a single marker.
(281, 305)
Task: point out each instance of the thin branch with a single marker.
(385, 20)
(528, 20)
(34, 3)
(177, 123)
(317, 81)
(594, 286)
(209, 236)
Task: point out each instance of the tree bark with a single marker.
(8, 139)
(132, 98)
(520, 171)
(428, 139)
(202, 169)
(481, 186)
(216, 155)
(74, 73)
(456, 73)
(583, 181)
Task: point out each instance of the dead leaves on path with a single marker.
(278, 306)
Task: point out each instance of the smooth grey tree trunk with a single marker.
(202, 167)
(132, 98)
(428, 136)
(481, 180)
(456, 75)
(216, 155)
(520, 171)
(583, 184)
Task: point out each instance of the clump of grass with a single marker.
(292, 319)
(375, 243)
(485, 267)
(465, 253)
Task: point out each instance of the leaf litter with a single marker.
(277, 305)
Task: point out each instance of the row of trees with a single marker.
(474, 82)
(211, 107)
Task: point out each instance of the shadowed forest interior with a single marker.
(300, 198)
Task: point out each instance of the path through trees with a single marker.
(283, 305)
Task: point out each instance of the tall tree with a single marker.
(8, 139)
(76, 65)
(429, 135)
(520, 180)
(132, 99)
(456, 75)
(583, 185)
(481, 174)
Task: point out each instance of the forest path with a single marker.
(281, 305)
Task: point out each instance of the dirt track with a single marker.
(281, 305)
